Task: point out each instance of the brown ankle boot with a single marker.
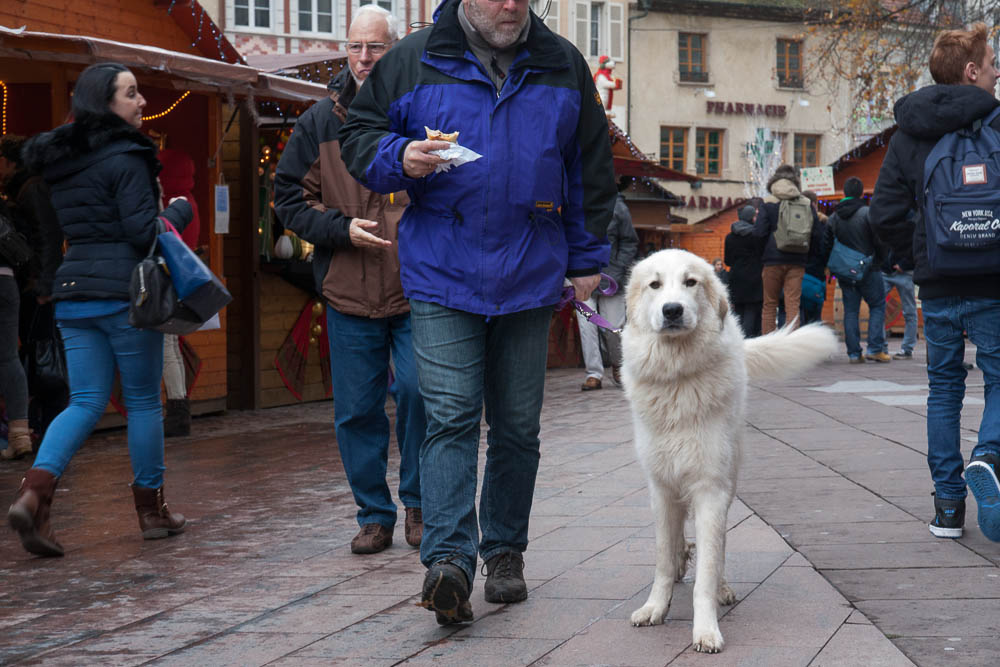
(155, 520)
(29, 515)
(18, 440)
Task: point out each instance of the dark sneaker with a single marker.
(446, 592)
(949, 517)
(981, 476)
(371, 539)
(903, 355)
(505, 578)
(855, 360)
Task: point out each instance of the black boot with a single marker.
(177, 420)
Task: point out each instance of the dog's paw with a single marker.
(648, 614)
(727, 595)
(708, 641)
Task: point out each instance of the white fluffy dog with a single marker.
(685, 373)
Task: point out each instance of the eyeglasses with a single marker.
(374, 48)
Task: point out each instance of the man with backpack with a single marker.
(942, 161)
(849, 227)
(792, 230)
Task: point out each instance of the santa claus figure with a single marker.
(606, 82)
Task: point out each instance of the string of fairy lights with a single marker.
(3, 109)
(168, 109)
(198, 16)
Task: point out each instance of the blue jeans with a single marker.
(94, 346)
(360, 349)
(903, 282)
(873, 292)
(466, 361)
(944, 321)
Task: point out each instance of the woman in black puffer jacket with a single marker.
(102, 174)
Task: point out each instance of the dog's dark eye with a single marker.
(690, 282)
(655, 284)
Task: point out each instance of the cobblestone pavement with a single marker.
(828, 548)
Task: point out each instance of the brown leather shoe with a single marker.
(371, 539)
(29, 515)
(156, 521)
(414, 526)
(590, 384)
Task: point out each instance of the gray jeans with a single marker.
(13, 384)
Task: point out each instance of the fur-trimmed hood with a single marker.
(75, 146)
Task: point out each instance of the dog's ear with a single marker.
(716, 292)
(633, 290)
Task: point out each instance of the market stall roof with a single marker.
(195, 71)
(279, 62)
(630, 161)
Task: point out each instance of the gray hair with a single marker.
(391, 24)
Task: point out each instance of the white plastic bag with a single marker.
(456, 155)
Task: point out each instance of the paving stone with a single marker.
(614, 643)
(860, 645)
(942, 553)
(610, 582)
(573, 538)
(740, 655)
(462, 651)
(965, 651)
(239, 649)
(540, 618)
(862, 532)
(933, 618)
(930, 583)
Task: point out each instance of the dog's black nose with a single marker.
(672, 311)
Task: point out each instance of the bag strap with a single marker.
(168, 227)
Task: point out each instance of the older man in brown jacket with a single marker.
(356, 268)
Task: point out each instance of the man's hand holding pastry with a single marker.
(418, 160)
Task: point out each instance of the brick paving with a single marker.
(827, 550)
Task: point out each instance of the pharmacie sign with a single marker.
(746, 109)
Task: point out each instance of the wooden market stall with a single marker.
(189, 75)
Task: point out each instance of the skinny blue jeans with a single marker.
(944, 321)
(360, 348)
(465, 362)
(94, 346)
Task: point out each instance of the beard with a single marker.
(499, 36)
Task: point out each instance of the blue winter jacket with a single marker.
(497, 235)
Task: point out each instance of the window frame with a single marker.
(786, 76)
(668, 160)
(701, 132)
(684, 58)
(252, 9)
(552, 19)
(378, 3)
(314, 18)
(799, 150)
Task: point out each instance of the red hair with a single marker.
(954, 49)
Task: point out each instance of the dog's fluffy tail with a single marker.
(786, 352)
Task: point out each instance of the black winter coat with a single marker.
(851, 225)
(924, 117)
(102, 174)
(624, 243)
(743, 253)
(37, 220)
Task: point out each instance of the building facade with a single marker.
(258, 27)
(728, 92)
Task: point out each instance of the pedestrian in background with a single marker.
(783, 269)
(811, 309)
(624, 249)
(177, 180)
(850, 225)
(743, 253)
(484, 249)
(963, 66)
(897, 271)
(356, 269)
(102, 174)
(24, 288)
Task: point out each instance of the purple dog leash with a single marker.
(592, 316)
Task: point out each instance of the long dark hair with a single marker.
(94, 90)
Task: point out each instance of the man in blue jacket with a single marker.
(484, 248)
